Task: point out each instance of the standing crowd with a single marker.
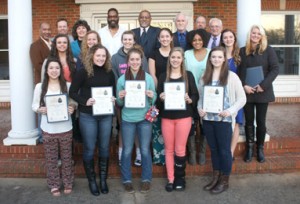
(154, 58)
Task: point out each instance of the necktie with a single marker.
(143, 37)
(214, 43)
(182, 41)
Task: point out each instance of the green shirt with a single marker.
(136, 114)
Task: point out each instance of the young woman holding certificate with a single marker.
(218, 125)
(257, 53)
(177, 121)
(57, 135)
(135, 94)
(95, 126)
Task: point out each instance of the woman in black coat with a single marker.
(257, 53)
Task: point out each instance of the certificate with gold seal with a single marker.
(57, 108)
(135, 94)
(174, 95)
(103, 103)
(213, 99)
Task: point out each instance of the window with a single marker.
(4, 71)
(283, 31)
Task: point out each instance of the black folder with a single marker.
(254, 75)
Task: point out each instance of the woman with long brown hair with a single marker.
(218, 126)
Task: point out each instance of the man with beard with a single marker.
(112, 33)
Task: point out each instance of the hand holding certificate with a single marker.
(213, 99)
(103, 101)
(57, 108)
(174, 95)
(135, 94)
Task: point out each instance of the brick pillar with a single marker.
(23, 130)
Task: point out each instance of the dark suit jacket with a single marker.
(176, 40)
(152, 42)
(39, 51)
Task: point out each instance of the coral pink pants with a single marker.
(175, 133)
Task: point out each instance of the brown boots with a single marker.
(214, 181)
(219, 183)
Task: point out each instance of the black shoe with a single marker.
(169, 187)
(260, 154)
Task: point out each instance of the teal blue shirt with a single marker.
(136, 114)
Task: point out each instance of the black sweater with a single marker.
(192, 92)
(80, 89)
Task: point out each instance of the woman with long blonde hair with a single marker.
(257, 52)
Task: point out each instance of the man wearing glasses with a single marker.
(146, 35)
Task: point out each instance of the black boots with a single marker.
(192, 149)
(179, 173)
(91, 176)
(249, 131)
(222, 184)
(260, 153)
(103, 170)
(214, 181)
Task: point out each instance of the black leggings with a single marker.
(260, 111)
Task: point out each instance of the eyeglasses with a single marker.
(145, 17)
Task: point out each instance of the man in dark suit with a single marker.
(39, 51)
(180, 36)
(146, 35)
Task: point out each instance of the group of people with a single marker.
(112, 57)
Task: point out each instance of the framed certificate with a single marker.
(57, 108)
(174, 95)
(103, 104)
(213, 99)
(135, 94)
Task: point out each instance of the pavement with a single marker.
(245, 189)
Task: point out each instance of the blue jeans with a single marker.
(218, 136)
(95, 130)
(143, 130)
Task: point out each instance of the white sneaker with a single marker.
(137, 162)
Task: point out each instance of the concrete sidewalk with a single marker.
(245, 189)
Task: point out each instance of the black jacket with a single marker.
(269, 61)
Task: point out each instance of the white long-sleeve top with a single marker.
(53, 128)
(236, 93)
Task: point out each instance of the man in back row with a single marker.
(111, 34)
(146, 35)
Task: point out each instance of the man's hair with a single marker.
(112, 9)
(61, 19)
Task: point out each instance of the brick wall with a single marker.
(50, 11)
(223, 9)
(3, 7)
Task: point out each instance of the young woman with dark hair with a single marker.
(56, 136)
(218, 127)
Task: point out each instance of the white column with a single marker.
(23, 130)
(248, 14)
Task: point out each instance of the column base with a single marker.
(21, 138)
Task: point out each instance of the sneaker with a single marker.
(169, 187)
(128, 188)
(145, 187)
(137, 162)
